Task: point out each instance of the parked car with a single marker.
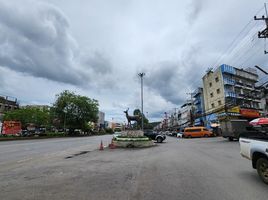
(197, 131)
(254, 146)
(155, 135)
(174, 133)
(41, 131)
(168, 133)
(180, 135)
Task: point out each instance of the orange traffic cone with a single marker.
(112, 145)
(101, 146)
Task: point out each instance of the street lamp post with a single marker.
(141, 75)
(64, 124)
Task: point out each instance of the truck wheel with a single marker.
(262, 168)
(205, 135)
(230, 138)
(159, 140)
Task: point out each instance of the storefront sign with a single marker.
(249, 113)
(235, 109)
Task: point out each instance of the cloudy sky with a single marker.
(97, 47)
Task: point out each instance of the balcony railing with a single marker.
(228, 81)
(230, 94)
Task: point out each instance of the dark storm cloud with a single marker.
(98, 63)
(37, 41)
(173, 79)
(165, 79)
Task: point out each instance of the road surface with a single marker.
(73, 168)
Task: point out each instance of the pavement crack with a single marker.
(77, 154)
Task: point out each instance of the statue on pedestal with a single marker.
(135, 118)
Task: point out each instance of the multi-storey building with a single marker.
(229, 91)
(174, 120)
(6, 104)
(199, 107)
(264, 100)
(185, 114)
(101, 121)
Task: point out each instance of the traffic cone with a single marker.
(112, 145)
(101, 146)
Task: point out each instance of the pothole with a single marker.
(77, 154)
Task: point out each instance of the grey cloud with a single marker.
(173, 79)
(98, 63)
(36, 39)
(38, 42)
(164, 78)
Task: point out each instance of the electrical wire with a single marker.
(231, 45)
(232, 52)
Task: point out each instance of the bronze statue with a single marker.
(135, 118)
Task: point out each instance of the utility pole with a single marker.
(192, 109)
(264, 32)
(166, 121)
(141, 75)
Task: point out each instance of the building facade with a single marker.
(101, 120)
(7, 104)
(185, 117)
(199, 107)
(229, 91)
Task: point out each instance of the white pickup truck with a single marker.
(254, 146)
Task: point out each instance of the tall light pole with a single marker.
(64, 124)
(141, 75)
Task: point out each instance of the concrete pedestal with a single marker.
(132, 139)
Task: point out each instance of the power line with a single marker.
(243, 55)
(234, 40)
(238, 53)
(249, 58)
(232, 44)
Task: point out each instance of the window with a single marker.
(211, 94)
(217, 79)
(210, 84)
(218, 91)
(212, 105)
(219, 102)
(193, 130)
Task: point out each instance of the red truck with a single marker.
(11, 128)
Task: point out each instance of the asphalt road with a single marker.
(73, 168)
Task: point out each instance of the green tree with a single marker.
(145, 120)
(75, 111)
(29, 115)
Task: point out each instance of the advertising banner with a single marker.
(249, 113)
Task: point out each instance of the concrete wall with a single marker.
(212, 83)
(101, 118)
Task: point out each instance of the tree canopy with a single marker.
(75, 111)
(29, 115)
(145, 120)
